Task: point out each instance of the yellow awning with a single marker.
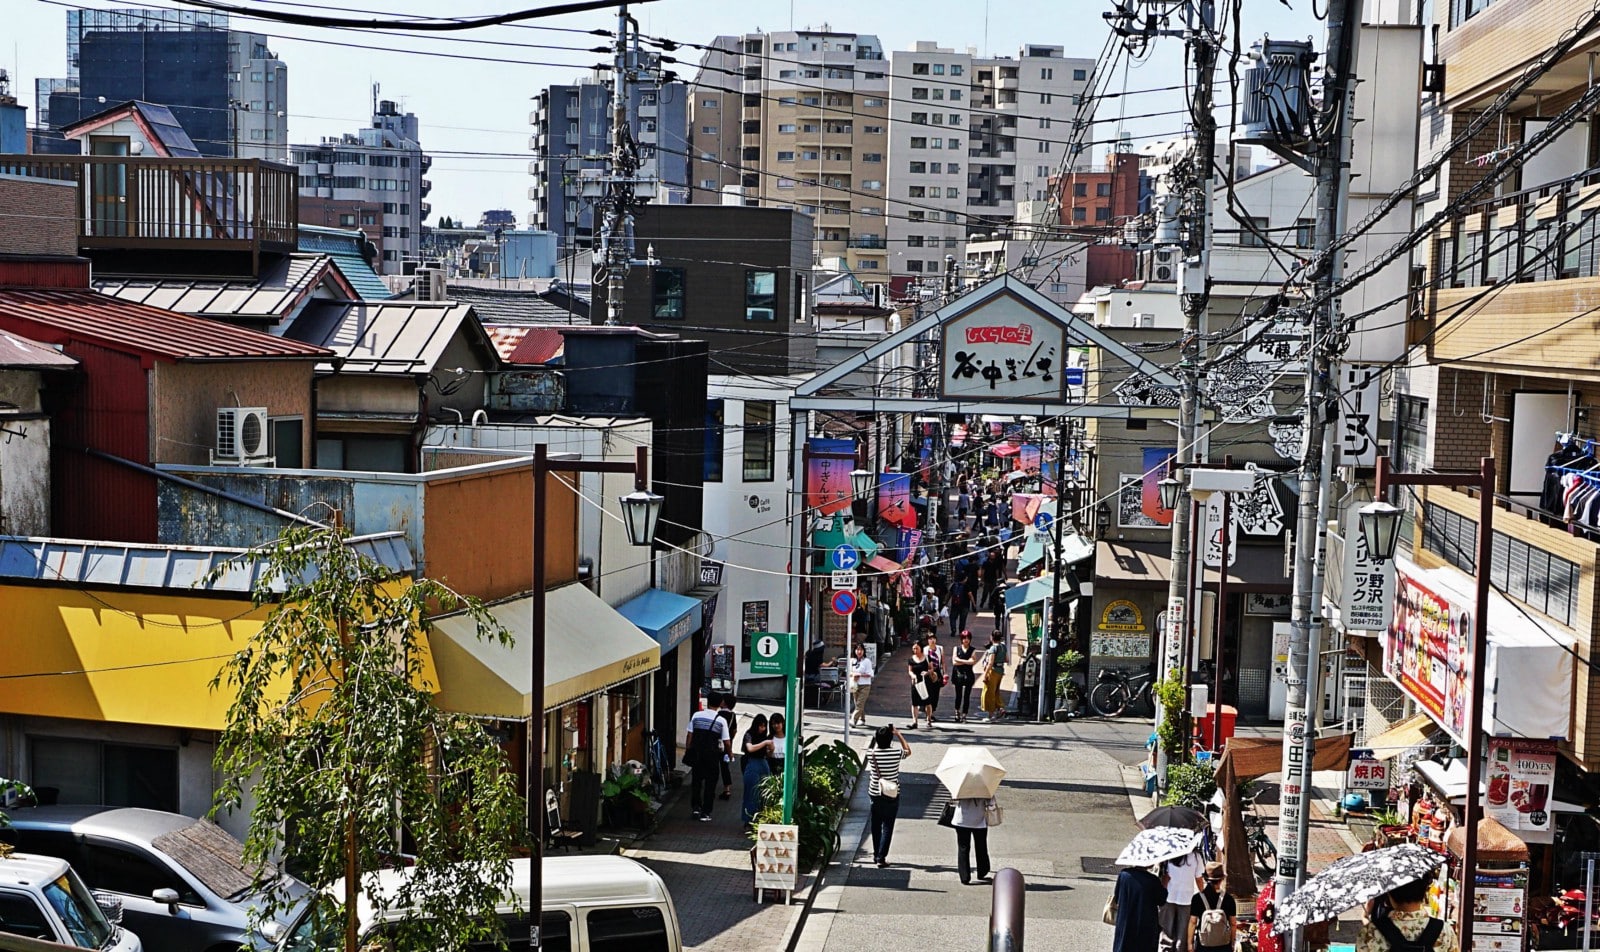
(590, 647)
(1412, 732)
(124, 657)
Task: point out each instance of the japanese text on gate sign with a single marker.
(1020, 334)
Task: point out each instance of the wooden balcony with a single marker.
(200, 216)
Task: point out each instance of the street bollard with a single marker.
(1006, 911)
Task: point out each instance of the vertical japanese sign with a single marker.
(894, 500)
(1358, 413)
(1366, 601)
(1003, 350)
(1427, 652)
(1212, 511)
(1521, 776)
(828, 466)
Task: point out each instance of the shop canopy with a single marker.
(667, 617)
(1409, 734)
(1036, 590)
(1005, 449)
(886, 566)
(589, 648)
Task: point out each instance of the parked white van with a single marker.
(591, 904)
(42, 898)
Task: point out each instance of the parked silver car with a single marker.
(183, 882)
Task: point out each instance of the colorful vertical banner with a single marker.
(1426, 651)
(894, 500)
(828, 467)
(925, 458)
(958, 434)
(1014, 433)
(1155, 470)
(909, 540)
(1028, 458)
(1521, 775)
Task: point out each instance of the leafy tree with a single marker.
(334, 737)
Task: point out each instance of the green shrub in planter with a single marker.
(1189, 785)
(827, 773)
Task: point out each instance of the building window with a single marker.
(1451, 536)
(1103, 189)
(1080, 189)
(119, 775)
(919, 92)
(938, 69)
(867, 264)
(917, 167)
(1252, 237)
(913, 241)
(285, 442)
(1305, 232)
(919, 69)
(920, 118)
(955, 69)
(714, 438)
(917, 191)
(1102, 213)
(668, 293)
(914, 266)
(760, 295)
(1080, 214)
(785, 156)
(952, 192)
(760, 436)
(1411, 428)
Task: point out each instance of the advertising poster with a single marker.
(1521, 776)
(1028, 459)
(828, 466)
(894, 500)
(1155, 470)
(1427, 651)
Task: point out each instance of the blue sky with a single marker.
(483, 106)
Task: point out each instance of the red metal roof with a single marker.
(56, 316)
(19, 352)
(539, 346)
(506, 337)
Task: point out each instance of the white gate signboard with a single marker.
(1004, 351)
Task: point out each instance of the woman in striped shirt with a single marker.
(883, 761)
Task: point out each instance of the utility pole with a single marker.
(1194, 291)
(621, 187)
(1303, 704)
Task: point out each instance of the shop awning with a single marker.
(886, 566)
(590, 647)
(1005, 449)
(667, 617)
(1256, 568)
(1036, 590)
(1410, 733)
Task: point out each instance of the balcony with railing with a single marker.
(1518, 278)
(133, 211)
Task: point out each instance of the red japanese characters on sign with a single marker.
(992, 334)
(1367, 773)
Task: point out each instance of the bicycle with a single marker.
(655, 764)
(1117, 690)
(1256, 839)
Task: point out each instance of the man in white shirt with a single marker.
(861, 674)
(1185, 873)
(705, 745)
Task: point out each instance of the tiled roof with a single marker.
(269, 299)
(495, 306)
(385, 337)
(344, 245)
(60, 315)
(19, 353)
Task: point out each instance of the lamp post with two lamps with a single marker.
(641, 511)
(861, 485)
(1380, 529)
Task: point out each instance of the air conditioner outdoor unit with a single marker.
(241, 437)
(1164, 264)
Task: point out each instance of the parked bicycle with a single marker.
(1260, 845)
(655, 764)
(1117, 689)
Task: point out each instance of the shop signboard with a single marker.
(1427, 651)
(1358, 416)
(829, 463)
(1522, 774)
(1003, 350)
(1366, 772)
(777, 857)
(1366, 597)
(894, 500)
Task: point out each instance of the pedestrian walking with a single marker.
(861, 674)
(1213, 921)
(883, 763)
(972, 818)
(921, 691)
(963, 504)
(960, 604)
(936, 673)
(1183, 878)
(1136, 910)
(780, 730)
(1400, 921)
(964, 674)
(994, 669)
(754, 761)
(725, 711)
(997, 604)
(707, 742)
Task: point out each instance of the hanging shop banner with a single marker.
(1259, 512)
(828, 467)
(894, 500)
(1521, 775)
(1366, 600)
(925, 458)
(1028, 458)
(1427, 652)
(1213, 531)
(958, 434)
(1358, 413)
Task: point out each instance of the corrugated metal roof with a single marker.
(17, 353)
(506, 337)
(48, 314)
(344, 246)
(131, 565)
(281, 288)
(539, 346)
(385, 337)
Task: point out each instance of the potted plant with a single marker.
(1069, 696)
(626, 802)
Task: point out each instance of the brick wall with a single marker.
(38, 217)
(1464, 173)
(1460, 437)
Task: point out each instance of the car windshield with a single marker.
(318, 928)
(86, 924)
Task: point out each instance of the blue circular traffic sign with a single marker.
(844, 602)
(845, 557)
(1043, 520)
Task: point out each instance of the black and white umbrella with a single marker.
(1158, 844)
(1354, 880)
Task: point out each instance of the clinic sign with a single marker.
(1003, 349)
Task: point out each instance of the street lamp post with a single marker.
(861, 483)
(641, 509)
(1380, 525)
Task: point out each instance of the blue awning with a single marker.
(1034, 590)
(667, 617)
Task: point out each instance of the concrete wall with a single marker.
(38, 217)
(368, 393)
(24, 456)
(186, 396)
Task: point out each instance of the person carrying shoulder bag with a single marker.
(883, 764)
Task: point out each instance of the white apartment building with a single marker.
(969, 137)
(798, 119)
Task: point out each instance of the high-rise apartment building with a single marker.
(379, 169)
(572, 132)
(230, 92)
(799, 119)
(971, 136)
